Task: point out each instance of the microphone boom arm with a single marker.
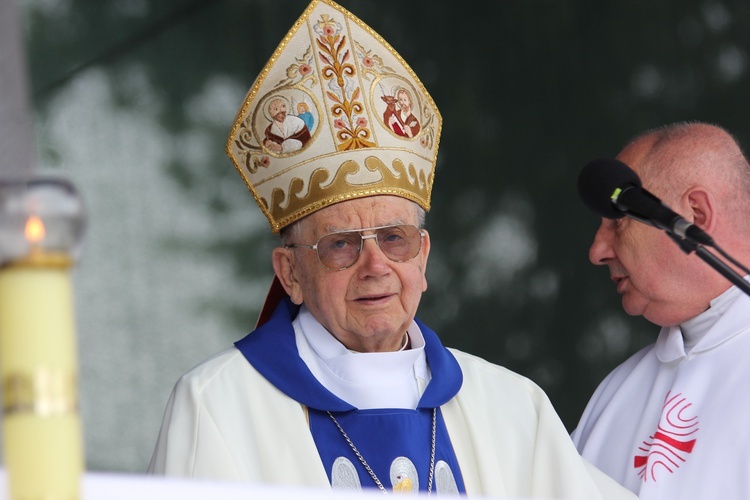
(712, 260)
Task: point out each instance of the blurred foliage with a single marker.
(530, 90)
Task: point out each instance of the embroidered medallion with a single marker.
(402, 428)
(403, 475)
(670, 446)
(404, 478)
(445, 482)
(344, 475)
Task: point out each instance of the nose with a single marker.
(601, 251)
(372, 257)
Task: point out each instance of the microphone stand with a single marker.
(712, 260)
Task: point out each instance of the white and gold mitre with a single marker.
(335, 114)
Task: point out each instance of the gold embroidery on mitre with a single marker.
(407, 182)
(300, 71)
(344, 93)
(339, 76)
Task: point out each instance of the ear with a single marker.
(702, 208)
(424, 252)
(286, 271)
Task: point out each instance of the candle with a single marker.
(42, 434)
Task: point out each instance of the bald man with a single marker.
(673, 421)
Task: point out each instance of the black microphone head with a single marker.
(598, 181)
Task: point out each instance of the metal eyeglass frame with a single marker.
(362, 239)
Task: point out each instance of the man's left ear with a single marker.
(284, 268)
(702, 207)
(425, 252)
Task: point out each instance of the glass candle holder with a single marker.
(42, 224)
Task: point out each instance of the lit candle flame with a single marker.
(34, 229)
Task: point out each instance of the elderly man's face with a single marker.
(370, 305)
(648, 268)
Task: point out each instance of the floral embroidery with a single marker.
(300, 71)
(343, 89)
(373, 63)
(258, 162)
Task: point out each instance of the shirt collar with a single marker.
(272, 350)
(725, 317)
(366, 380)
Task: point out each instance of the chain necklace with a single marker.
(402, 348)
(369, 469)
(406, 341)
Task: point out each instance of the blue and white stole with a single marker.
(396, 444)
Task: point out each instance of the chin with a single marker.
(382, 327)
(656, 315)
(633, 307)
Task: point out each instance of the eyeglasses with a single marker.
(340, 250)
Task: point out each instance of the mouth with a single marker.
(374, 299)
(620, 282)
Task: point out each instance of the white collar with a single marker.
(696, 328)
(364, 380)
(725, 318)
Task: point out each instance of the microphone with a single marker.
(611, 189)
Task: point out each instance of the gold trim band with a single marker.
(41, 259)
(45, 393)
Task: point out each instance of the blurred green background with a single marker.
(133, 101)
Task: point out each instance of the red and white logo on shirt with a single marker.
(670, 446)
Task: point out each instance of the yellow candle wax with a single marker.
(42, 432)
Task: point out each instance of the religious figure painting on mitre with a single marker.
(401, 108)
(287, 123)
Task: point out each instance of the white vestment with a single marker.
(224, 420)
(672, 422)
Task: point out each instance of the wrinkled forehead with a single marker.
(371, 211)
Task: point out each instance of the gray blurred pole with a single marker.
(16, 143)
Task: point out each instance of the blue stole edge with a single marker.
(272, 350)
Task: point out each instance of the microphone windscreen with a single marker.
(598, 181)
